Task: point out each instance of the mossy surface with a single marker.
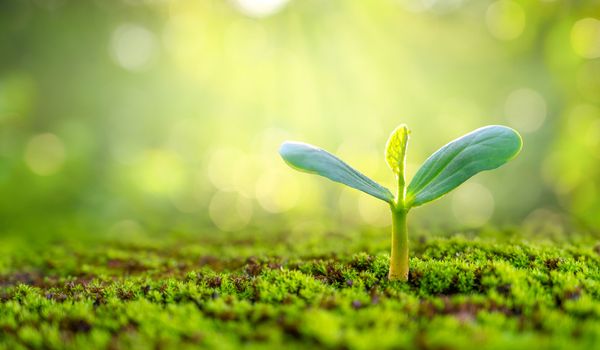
(330, 292)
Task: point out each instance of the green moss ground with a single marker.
(327, 291)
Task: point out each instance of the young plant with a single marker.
(483, 149)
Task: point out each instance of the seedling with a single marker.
(483, 149)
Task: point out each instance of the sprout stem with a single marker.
(399, 255)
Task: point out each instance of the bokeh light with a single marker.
(220, 168)
(45, 154)
(585, 37)
(525, 110)
(168, 114)
(260, 8)
(505, 19)
(133, 47)
(277, 191)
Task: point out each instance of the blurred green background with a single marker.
(143, 117)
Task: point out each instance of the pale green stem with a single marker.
(399, 255)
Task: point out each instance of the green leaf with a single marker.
(395, 152)
(483, 149)
(311, 159)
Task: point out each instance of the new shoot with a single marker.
(483, 149)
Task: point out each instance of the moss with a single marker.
(462, 293)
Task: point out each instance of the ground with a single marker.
(485, 290)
